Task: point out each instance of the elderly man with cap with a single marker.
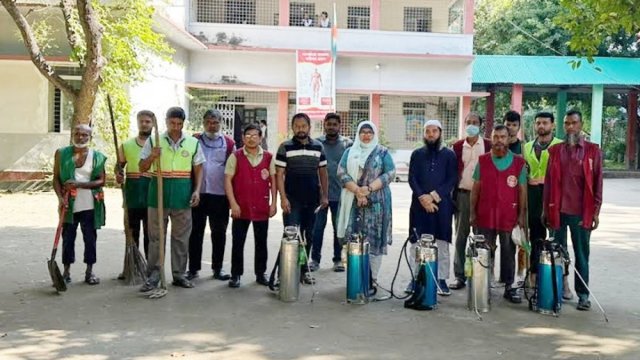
(433, 174)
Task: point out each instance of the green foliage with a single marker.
(589, 22)
(199, 102)
(518, 27)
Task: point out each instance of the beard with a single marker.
(80, 146)
(543, 132)
(499, 150)
(433, 144)
(301, 135)
(571, 139)
(144, 133)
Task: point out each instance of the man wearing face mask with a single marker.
(136, 185)
(536, 155)
(217, 147)
(78, 178)
(467, 151)
(573, 196)
(432, 178)
(498, 203)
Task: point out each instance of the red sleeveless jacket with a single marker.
(499, 198)
(251, 186)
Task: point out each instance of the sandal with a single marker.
(91, 279)
(67, 279)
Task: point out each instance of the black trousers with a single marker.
(137, 217)
(507, 253)
(537, 230)
(216, 208)
(302, 215)
(239, 229)
(89, 235)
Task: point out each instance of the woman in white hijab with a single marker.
(365, 170)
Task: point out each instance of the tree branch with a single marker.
(67, 12)
(37, 57)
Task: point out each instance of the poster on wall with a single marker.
(315, 94)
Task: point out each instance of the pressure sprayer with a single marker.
(425, 291)
(547, 296)
(289, 268)
(358, 270)
(476, 268)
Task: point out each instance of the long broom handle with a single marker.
(160, 192)
(127, 228)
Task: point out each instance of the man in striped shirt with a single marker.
(301, 169)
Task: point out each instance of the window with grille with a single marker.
(302, 14)
(232, 11)
(61, 107)
(358, 17)
(358, 111)
(456, 18)
(417, 19)
(414, 117)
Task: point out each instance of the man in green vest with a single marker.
(78, 177)
(136, 185)
(179, 155)
(537, 157)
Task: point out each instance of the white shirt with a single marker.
(84, 197)
(470, 156)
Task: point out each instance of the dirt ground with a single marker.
(213, 321)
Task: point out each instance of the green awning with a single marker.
(554, 70)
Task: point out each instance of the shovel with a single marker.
(54, 270)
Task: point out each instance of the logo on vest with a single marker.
(264, 174)
(512, 181)
(185, 153)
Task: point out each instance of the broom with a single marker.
(134, 267)
(162, 290)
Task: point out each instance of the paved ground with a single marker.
(212, 321)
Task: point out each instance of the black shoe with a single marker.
(221, 275)
(262, 280)
(182, 282)
(584, 305)
(190, 275)
(512, 295)
(457, 284)
(234, 282)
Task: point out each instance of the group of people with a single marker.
(489, 186)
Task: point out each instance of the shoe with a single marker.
(567, 294)
(307, 279)
(190, 275)
(182, 282)
(262, 280)
(338, 267)
(313, 266)
(457, 284)
(584, 304)
(153, 280)
(409, 288)
(221, 275)
(512, 295)
(67, 278)
(234, 282)
(91, 279)
(444, 289)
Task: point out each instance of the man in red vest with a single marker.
(250, 177)
(498, 203)
(573, 196)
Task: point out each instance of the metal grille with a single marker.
(418, 19)
(238, 109)
(358, 17)
(255, 12)
(402, 118)
(302, 14)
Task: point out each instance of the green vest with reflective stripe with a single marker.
(67, 172)
(176, 168)
(538, 168)
(137, 185)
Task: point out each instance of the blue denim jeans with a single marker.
(318, 233)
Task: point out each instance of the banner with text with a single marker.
(315, 94)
